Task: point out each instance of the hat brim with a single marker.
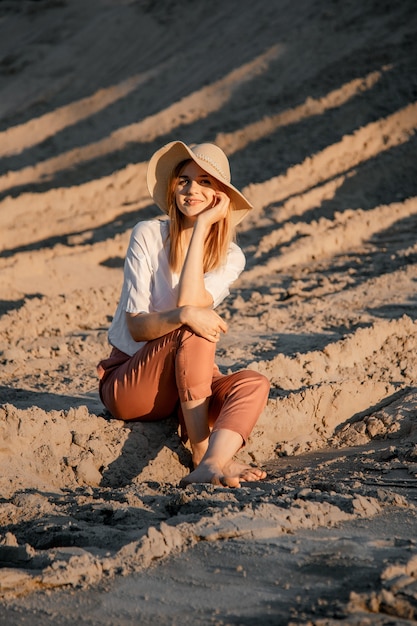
(163, 162)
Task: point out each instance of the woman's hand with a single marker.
(215, 213)
(204, 322)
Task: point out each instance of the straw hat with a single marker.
(209, 157)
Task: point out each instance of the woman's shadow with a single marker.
(144, 443)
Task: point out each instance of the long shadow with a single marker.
(322, 130)
(386, 178)
(287, 145)
(383, 179)
(268, 346)
(47, 401)
(383, 261)
(168, 45)
(362, 267)
(376, 407)
(398, 237)
(145, 441)
(141, 103)
(123, 223)
(396, 311)
(50, 24)
(77, 525)
(127, 220)
(138, 106)
(271, 158)
(13, 305)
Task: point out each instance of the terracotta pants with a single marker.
(177, 367)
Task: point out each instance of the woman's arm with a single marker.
(148, 326)
(191, 288)
(203, 321)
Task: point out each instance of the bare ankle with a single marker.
(196, 460)
(198, 452)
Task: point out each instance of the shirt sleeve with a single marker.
(138, 273)
(218, 281)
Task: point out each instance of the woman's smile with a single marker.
(192, 201)
(195, 190)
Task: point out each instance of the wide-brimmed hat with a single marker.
(209, 157)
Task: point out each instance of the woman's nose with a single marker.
(192, 185)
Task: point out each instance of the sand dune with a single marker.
(315, 104)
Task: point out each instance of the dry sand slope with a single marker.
(315, 102)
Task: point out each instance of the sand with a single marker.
(315, 103)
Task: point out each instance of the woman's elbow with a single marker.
(134, 326)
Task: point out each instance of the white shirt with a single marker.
(150, 286)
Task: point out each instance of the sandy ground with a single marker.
(315, 102)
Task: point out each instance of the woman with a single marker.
(165, 329)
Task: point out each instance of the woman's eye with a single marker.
(205, 181)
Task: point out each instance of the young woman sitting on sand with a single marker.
(165, 329)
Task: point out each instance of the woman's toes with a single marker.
(250, 475)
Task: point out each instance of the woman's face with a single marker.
(195, 191)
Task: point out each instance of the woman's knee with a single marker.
(245, 386)
(263, 383)
(256, 381)
(261, 387)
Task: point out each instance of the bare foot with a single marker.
(210, 473)
(246, 473)
(231, 476)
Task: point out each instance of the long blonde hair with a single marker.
(217, 241)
